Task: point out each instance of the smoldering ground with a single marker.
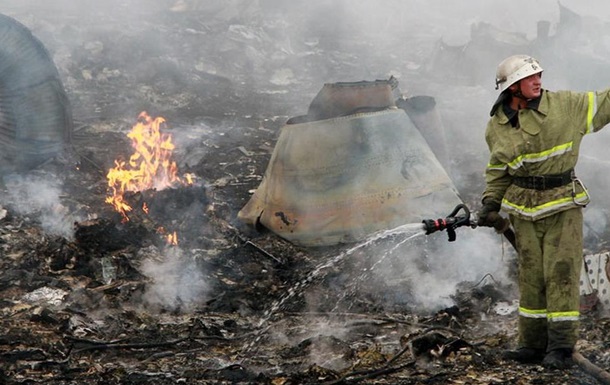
(309, 31)
(39, 197)
(225, 84)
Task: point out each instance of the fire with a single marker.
(172, 239)
(190, 178)
(149, 167)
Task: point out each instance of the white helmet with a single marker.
(515, 68)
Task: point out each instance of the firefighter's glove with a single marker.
(488, 214)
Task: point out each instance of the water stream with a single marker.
(366, 272)
(409, 230)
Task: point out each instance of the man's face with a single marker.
(531, 86)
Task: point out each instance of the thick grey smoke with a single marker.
(474, 255)
(419, 272)
(39, 197)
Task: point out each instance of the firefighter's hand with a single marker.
(495, 220)
(488, 214)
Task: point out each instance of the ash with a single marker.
(86, 297)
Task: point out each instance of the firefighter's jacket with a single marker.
(545, 142)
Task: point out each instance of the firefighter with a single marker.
(534, 136)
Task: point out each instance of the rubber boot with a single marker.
(558, 359)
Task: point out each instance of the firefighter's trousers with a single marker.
(550, 261)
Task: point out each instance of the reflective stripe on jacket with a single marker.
(547, 142)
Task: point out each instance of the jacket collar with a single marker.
(540, 104)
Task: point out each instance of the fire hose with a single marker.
(461, 216)
(453, 221)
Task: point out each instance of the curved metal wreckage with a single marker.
(354, 165)
(35, 115)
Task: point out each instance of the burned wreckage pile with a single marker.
(112, 271)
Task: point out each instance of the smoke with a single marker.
(421, 273)
(470, 258)
(177, 282)
(39, 197)
(292, 48)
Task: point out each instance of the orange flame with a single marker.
(150, 166)
(172, 239)
(189, 179)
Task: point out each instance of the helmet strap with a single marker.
(519, 95)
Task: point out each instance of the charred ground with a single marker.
(80, 309)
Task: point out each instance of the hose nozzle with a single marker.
(450, 223)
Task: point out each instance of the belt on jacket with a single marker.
(544, 182)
